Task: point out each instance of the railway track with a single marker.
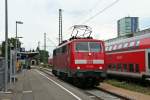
(95, 93)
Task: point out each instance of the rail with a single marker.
(95, 93)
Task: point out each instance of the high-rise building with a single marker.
(128, 26)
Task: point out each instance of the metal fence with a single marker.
(2, 73)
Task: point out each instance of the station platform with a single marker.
(32, 86)
(123, 92)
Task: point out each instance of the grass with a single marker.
(130, 86)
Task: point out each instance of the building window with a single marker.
(131, 68)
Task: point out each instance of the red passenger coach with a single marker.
(129, 57)
(81, 60)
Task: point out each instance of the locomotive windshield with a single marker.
(87, 47)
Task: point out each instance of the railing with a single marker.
(2, 73)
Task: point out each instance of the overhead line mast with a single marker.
(60, 26)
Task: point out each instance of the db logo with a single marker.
(119, 57)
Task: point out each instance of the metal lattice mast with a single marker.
(60, 26)
(44, 41)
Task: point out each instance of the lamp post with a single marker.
(6, 46)
(16, 48)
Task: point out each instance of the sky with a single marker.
(41, 16)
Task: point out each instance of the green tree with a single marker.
(11, 42)
(43, 56)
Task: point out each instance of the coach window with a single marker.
(131, 68)
(125, 68)
(137, 43)
(119, 46)
(114, 47)
(132, 44)
(136, 68)
(110, 48)
(106, 49)
(125, 45)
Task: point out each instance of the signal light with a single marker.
(100, 67)
(78, 67)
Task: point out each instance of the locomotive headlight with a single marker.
(100, 67)
(78, 67)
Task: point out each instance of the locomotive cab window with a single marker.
(88, 47)
(94, 47)
(82, 47)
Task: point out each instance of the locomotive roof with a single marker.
(128, 39)
(78, 40)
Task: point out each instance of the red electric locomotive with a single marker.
(81, 60)
(129, 57)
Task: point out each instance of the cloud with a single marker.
(41, 16)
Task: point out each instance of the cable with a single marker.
(95, 5)
(51, 42)
(92, 17)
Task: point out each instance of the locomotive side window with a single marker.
(54, 53)
(94, 47)
(82, 46)
(137, 68)
(131, 68)
(114, 67)
(119, 67)
(109, 67)
(125, 67)
(64, 49)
